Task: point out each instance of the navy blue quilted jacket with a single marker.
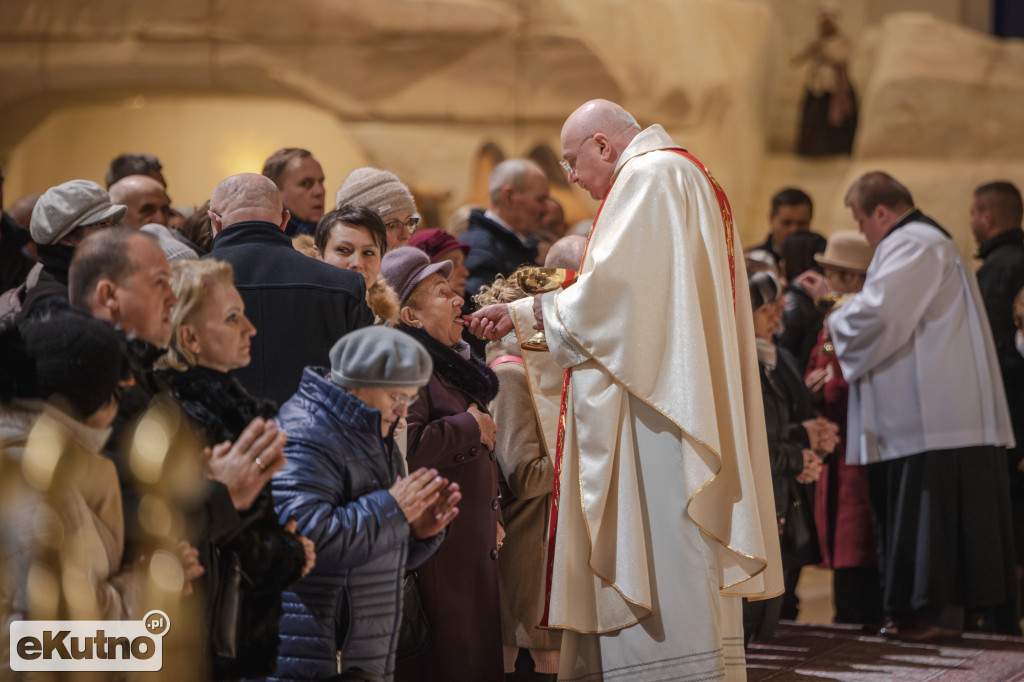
(345, 613)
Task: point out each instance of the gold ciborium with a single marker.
(540, 281)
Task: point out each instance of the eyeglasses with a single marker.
(106, 222)
(571, 167)
(409, 224)
(403, 400)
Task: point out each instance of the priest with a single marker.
(663, 514)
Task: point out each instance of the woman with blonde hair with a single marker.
(210, 337)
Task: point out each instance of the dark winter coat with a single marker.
(495, 250)
(1000, 279)
(50, 289)
(14, 260)
(459, 584)
(270, 558)
(345, 614)
(300, 306)
(801, 322)
(785, 456)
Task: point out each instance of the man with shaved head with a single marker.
(663, 514)
(505, 235)
(300, 306)
(146, 199)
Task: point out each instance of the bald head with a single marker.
(246, 196)
(146, 199)
(593, 138)
(602, 116)
(518, 190)
(567, 253)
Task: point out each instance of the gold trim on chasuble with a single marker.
(727, 219)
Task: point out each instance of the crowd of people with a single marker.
(324, 420)
(886, 343)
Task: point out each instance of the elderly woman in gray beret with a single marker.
(345, 485)
(451, 430)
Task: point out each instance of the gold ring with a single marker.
(259, 463)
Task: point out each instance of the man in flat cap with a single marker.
(62, 218)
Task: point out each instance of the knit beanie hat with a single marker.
(378, 190)
(435, 243)
(70, 354)
(378, 357)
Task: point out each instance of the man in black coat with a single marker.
(503, 237)
(300, 306)
(791, 211)
(996, 212)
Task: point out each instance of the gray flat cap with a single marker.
(69, 205)
(379, 357)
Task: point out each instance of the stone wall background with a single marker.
(419, 86)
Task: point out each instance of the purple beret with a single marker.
(407, 266)
(436, 243)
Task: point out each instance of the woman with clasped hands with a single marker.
(345, 485)
(450, 430)
(210, 336)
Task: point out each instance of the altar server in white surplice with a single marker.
(665, 515)
(928, 413)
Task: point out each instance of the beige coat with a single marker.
(527, 476)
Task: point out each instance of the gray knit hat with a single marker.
(378, 190)
(379, 357)
(72, 204)
(172, 248)
(407, 266)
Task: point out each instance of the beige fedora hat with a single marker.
(848, 250)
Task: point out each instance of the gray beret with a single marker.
(379, 357)
(70, 205)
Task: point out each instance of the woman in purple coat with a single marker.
(450, 430)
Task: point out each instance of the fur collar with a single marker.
(216, 401)
(383, 301)
(472, 376)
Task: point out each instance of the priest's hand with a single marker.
(814, 284)
(490, 322)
